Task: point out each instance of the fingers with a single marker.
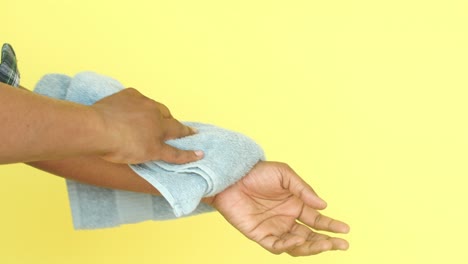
(314, 219)
(315, 243)
(302, 241)
(312, 236)
(172, 127)
(174, 155)
(164, 110)
(139, 127)
(301, 189)
(278, 245)
(175, 129)
(316, 247)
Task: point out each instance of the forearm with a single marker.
(36, 127)
(50, 130)
(98, 172)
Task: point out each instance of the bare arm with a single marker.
(271, 205)
(274, 207)
(98, 172)
(125, 127)
(36, 127)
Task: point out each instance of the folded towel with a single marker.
(228, 157)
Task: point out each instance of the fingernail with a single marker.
(194, 130)
(344, 246)
(345, 229)
(198, 153)
(324, 203)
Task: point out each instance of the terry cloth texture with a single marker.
(9, 72)
(228, 157)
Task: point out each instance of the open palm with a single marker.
(274, 207)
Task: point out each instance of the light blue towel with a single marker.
(228, 157)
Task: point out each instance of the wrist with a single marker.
(103, 138)
(209, 200)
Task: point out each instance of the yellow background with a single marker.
(367, 100)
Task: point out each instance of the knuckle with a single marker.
(275, 248)
(312, 236)
(132, 90)
(275, 251)
(285, 166)
(177, 155)
(172, 155)
(317, 220)
(151, 103)
(155, 155)
(294, 254)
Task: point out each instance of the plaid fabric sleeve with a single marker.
(9, 73)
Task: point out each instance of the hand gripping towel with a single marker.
(228, 157)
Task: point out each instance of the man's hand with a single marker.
(274, 207)
(137, 128)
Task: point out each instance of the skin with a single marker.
(271, 205)
(98, 172)
(274, 207)
(125, 127)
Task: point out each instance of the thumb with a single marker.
(174, 155)
(302, 190)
